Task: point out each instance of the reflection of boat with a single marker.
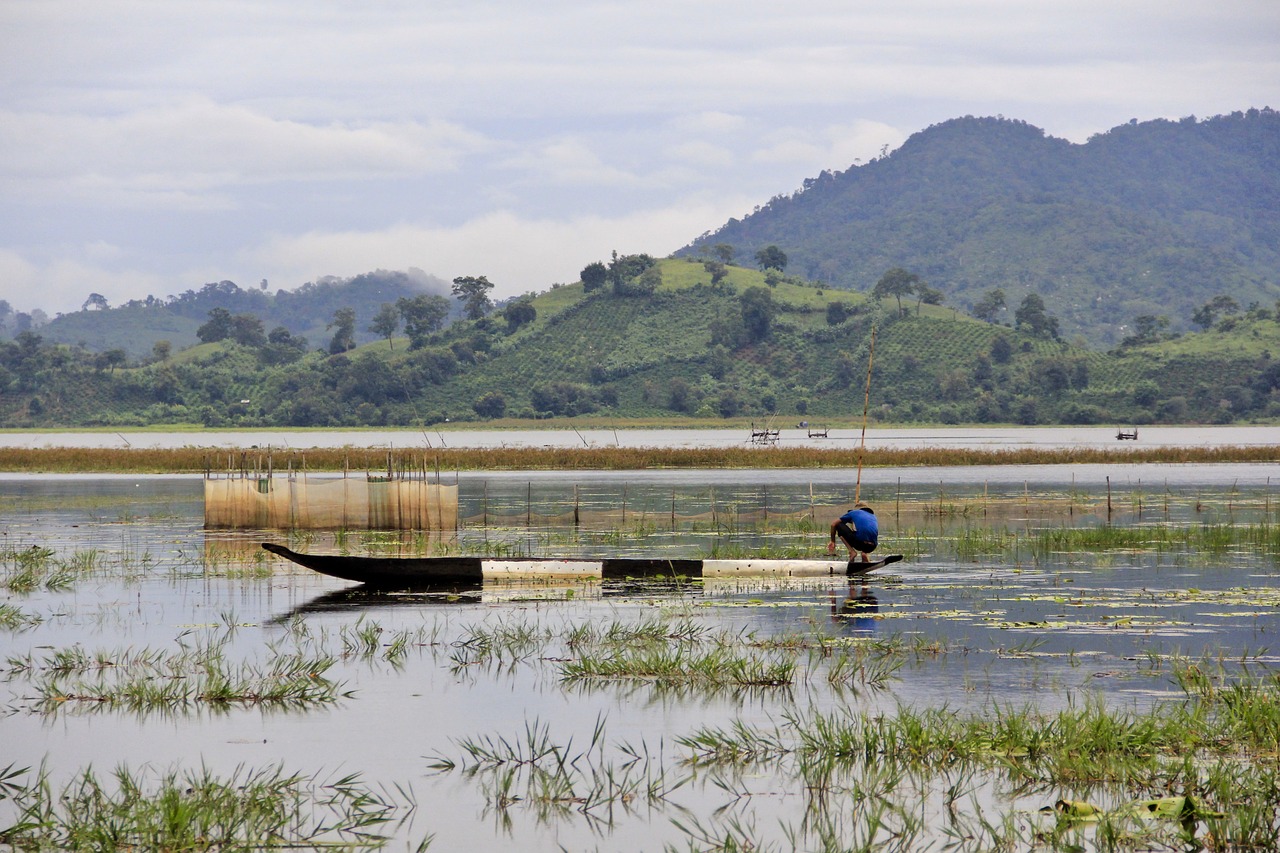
(411, 572)
(355, 598)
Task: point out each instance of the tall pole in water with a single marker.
(866, 404)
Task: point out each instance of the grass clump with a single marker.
(716, 666)
(149, 680)
(197, 810)
(14, 618)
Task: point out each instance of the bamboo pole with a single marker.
(866, 404)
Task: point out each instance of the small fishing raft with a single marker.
(405, 572)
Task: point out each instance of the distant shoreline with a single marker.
(374, 459)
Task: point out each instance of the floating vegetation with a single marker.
(198, 810)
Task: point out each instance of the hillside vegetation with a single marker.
(681, 348)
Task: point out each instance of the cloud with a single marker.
(61, 285)
(517, 254)
(168, 156)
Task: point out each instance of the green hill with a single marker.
(680, 349)
(1152, 218)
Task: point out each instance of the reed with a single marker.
(200, 459)
(199, 810)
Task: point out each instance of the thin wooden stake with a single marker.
(866, 404)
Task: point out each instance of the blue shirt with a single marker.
(864, 522)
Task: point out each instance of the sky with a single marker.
(148, 147)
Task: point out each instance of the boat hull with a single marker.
(407, 572)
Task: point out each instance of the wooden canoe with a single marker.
(407, 572)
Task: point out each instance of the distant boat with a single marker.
(1130, 435)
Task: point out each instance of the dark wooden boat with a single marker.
(408, 572)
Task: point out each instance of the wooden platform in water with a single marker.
(408, 572)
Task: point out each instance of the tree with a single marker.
(771, 258)
(680, 395)
(246, 329)
(1001, 350)
(282, 347)
(491, 405)
(1032, 317)
(838, 312)
(927, 295)
(724, 252)
(758, 311)
(422, 315)
(386, 322)
(111, 359)
(162, 350)
(897, 283)
(344, 335)
(626, 274)
(473, 292)
(217, 327)
(988, 308)
(593, 276)
(1147, 328)
(519, 313)
(1207, 314)
(96, 301)
(717, 269)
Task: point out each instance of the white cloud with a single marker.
(516, 254)
(62, 285)
(165, 154)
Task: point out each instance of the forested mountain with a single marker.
(307, 312)
(1150, 218)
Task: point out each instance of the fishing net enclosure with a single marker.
(302, 501)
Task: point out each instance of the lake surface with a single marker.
(790, 435)
(1009, 624)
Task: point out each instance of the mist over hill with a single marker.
(306, 311)
(1149, 218)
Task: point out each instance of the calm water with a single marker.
(1039, 629)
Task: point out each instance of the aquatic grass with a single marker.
(861, 665)
(27, 569)
(556, 778)
(149, 680)
(715, 666)
(14, 618)
(505, 643)
(199, 810)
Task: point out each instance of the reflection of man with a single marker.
(858, 610)
(858, 530)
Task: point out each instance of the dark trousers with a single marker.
(852, 539)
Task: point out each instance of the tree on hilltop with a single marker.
(473, 293)
(897, 283)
